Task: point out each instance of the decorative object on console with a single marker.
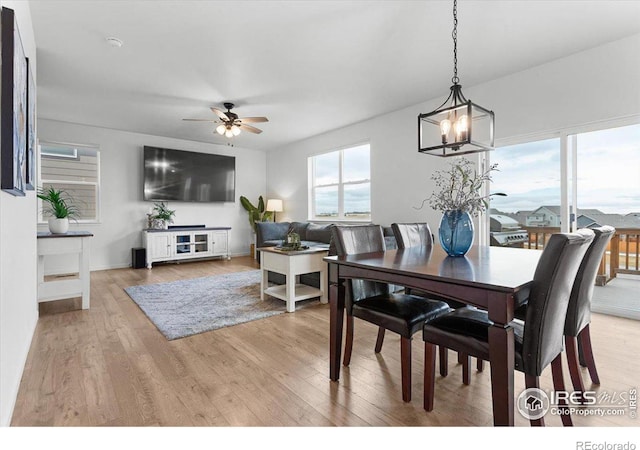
(274, 205)
(161, 217)
(458, 196)
(230, 124)
(13, 124)
(60, 206)
(457, 122)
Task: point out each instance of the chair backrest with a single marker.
(412, 235)
(353, 240)
(549, 298)
(579, 310)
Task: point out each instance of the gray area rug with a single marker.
(187, 307)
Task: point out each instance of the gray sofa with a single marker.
(311, 234)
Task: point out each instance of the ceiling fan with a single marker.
(230, 124)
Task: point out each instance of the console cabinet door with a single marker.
(201, 243)
(160, 245)
(220, 244)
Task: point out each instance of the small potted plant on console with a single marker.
(60, 207)
(162, 216)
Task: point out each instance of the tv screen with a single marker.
(179, 175)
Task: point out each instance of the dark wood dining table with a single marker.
(491, 278)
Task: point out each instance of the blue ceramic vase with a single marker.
(456, 232)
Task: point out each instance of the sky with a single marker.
(356, 167)
(608, 172)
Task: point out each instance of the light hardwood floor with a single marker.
(109, 366)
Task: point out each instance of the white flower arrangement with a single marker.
(458, 188)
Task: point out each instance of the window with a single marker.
(75, 170)
(340, 184)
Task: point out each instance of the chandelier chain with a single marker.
(454, 35)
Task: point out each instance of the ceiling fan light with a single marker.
(221, 129)
(235, 130)
(228, 133)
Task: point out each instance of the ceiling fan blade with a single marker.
(250, 129)
(201, 120)
(220, 114)
(253, 119)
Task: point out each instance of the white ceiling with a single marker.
(309, 66)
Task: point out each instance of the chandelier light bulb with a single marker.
(461, 128)
(445, 126)
(221, 129)
(235, 130)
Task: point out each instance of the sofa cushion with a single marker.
(272, 231)
(319, 233)
(300, 228)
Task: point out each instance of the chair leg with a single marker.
(405, 363)
(558, 385)
(531, 381)
(348, 345)
(429, 374)
(585, 339)
(380, 339)
(583, 362)
(466, 373)
(480, 365)
(444, 360)
(571, 343)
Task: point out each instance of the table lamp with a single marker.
(275, 205)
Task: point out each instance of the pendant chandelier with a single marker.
(458, 126)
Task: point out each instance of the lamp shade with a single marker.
(274, 204)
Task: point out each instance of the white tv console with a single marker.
(176, 244)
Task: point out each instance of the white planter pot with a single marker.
(58, 226)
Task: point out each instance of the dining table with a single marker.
(495, 279)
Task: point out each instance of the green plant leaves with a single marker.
(59, 203)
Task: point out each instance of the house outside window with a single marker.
(74, 169)
(340, 185)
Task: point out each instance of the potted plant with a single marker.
(161, 216)
(458, 197)
(60, 207)
(256, 214)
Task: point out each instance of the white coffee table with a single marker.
(292, 264)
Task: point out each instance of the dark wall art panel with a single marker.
(31, 128)
(13, 122)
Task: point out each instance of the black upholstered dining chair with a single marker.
(576, 326)
(419, 235)
(373, 302)
(538, 340)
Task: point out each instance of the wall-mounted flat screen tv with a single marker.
(177, 175)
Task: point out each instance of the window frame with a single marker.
(568, 164)
(340, 185)
(97, 183)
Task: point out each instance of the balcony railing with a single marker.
(622, 254)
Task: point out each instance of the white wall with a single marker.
(18, 263)
(591, 86)
(122, 210)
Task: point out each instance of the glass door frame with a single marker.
(568, 167)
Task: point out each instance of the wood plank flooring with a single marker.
(109, 366)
